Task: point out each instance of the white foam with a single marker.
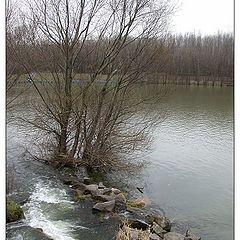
(37, 218)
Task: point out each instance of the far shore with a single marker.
(183, 79)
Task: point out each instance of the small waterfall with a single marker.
(45, 202)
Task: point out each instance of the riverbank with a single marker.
(188, 79)
(183, 79)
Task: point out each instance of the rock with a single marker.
(20, 197)
(101, 186)
(106, 191)
(39, 229)
(162, 221)
(138, 224)
(105, 207)
(70, 180)
(154, 236)
(115, 191)
(80, 196)
(120, 202)
(92, 187)
(136, 213)
(120, 198)
(190, 236)
(173, 236)
(27, 232)
(158, 230)
(80, 186)
(86, 180)
(14, 211)
(103, 198)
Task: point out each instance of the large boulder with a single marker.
(14, 211)
(162, 221)
(105, 206)
(173, 236)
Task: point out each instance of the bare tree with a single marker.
(97, 120)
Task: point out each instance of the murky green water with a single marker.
(189, 175)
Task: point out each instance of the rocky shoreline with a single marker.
(135, 222)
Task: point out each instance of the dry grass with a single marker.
(127, 233)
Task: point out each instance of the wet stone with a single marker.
(101, 186)
(105, 207)
(86, 180)
(158, 230)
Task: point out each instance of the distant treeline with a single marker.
(184, 59)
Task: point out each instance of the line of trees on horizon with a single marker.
(175, 55)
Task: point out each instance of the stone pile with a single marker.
(140, 226)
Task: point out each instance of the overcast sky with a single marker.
(205, 16)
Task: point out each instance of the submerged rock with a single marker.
(27, 232)
(105, 206)
(14, 211)
(190, 236)
(173, 236)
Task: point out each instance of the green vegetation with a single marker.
(14, 211)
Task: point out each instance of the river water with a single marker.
(189, 175)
